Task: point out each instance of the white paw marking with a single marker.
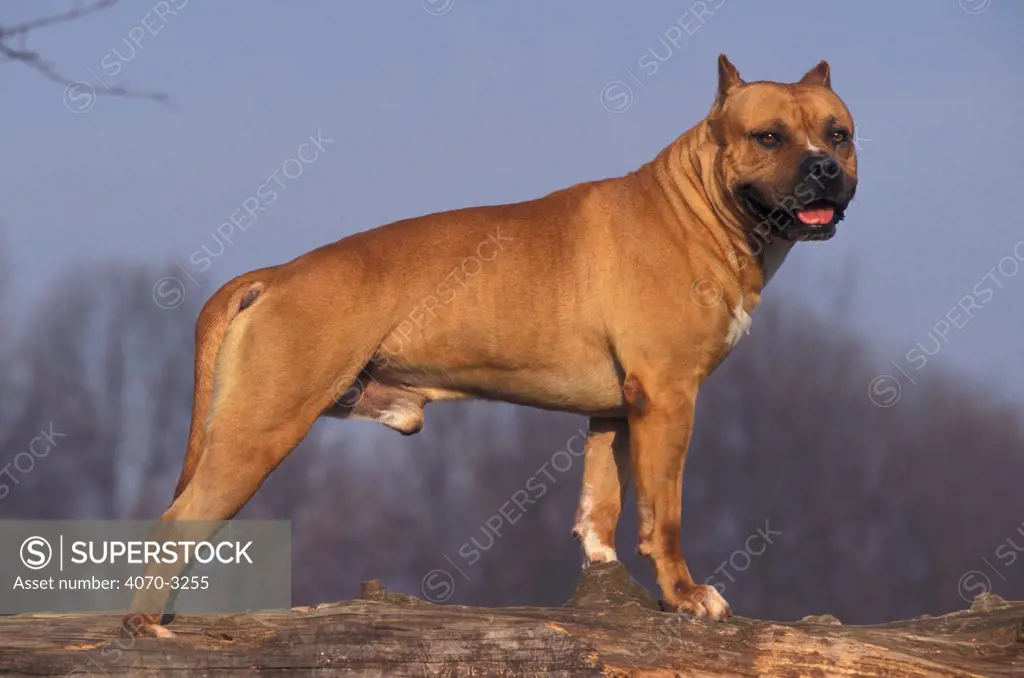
(705, 601)
(714, 604)
(594, 550)
(159, 631)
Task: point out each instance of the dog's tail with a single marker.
(226, 303)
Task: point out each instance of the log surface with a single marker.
(610, 627)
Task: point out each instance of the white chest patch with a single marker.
(774, 254)
(739, 326)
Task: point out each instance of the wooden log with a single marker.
(611, 626)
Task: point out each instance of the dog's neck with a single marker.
(772, 255)
(718, 215)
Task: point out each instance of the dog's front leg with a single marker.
(660, 425)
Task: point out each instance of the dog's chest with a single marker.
(739, 325)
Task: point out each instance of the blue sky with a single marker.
(437, 104)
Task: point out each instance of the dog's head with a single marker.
(785, 153)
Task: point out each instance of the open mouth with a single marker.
(814, 221)
(817, 213)
(817, 220)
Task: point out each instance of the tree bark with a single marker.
(611, 626)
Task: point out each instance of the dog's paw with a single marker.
(143, 625)
(701, 600)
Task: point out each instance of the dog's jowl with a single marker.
(614, 299)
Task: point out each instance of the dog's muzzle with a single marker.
(811, 210)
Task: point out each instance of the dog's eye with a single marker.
(840, 136)
(768, 139)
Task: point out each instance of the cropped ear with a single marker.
(819, 75)
(728, 78)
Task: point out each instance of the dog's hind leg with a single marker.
(606, 474)
(231, 299)
(270, 383)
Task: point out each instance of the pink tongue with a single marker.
(816, 217)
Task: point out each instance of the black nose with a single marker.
(823, 175)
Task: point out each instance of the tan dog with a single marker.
(614, 299)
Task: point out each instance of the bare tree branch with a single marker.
(74, 13)
(34, 61)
